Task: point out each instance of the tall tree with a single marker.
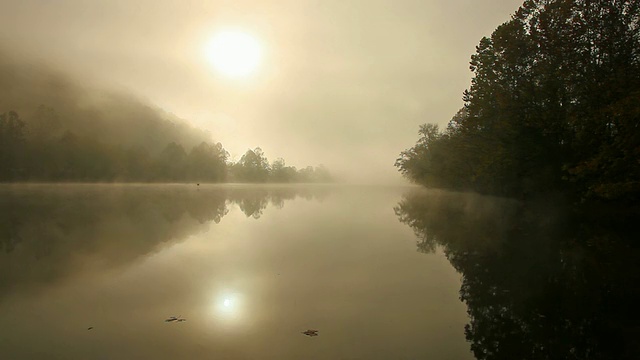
(551, 107)
(12, 146)
(207, 162)
(252, 167)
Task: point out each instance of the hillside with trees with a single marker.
(54, 130)
(553, 107)
(30, 153)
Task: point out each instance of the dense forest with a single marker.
(43, 152)
(553, 107)
(52, 129)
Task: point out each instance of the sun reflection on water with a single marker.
(229, 305)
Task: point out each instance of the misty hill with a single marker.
(51, 102)
(54, 129)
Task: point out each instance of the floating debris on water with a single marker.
(90, 327)
(311, 332)
(175, 318)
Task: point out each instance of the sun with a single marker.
(234, 54)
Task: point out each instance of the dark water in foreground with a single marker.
(251, 267)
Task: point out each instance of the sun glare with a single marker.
(228, 305)
(234, 54)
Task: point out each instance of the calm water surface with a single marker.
(381, 273)
(248, 267)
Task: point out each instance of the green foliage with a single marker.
(254, 167)
(12, 145)
(553, 106)
(172, 162)
(280, 173)
(207, 162)
(43, 150)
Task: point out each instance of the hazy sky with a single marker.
(344, 83)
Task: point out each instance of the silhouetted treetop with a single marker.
(553, 106)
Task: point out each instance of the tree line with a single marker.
(42, 150)
(554, 106)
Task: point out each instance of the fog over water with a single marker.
(97, 271)
(340, 84)
(248, 267)
(301, 179)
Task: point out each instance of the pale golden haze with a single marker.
(343, 83)
(234, 53)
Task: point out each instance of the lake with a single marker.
(242, 271)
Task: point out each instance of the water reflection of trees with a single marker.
(252, 201)
(539, 282)
(47, 232)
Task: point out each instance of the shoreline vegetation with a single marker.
(553, 109)
(531, 191)
(43, 151)
(57, 128)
